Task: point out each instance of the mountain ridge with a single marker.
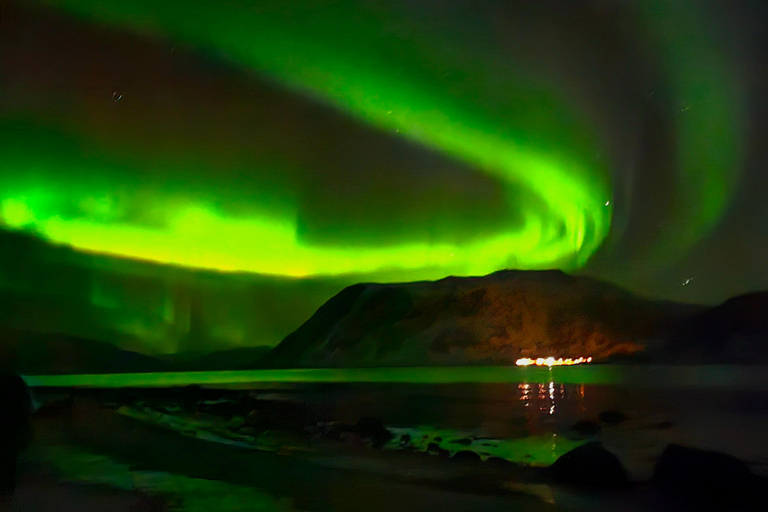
(493, 319)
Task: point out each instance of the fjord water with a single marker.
(718, 407)
(644, 376)
(533, 410)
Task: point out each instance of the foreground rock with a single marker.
(15, 429)
(589, 465)
(583, 429)
(368, 429)
(612, 417)
(711, 480)
(280, 415)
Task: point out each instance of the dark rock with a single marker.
(244, 429)
(583, 429)
(333, 433)
(589, 465)
(463, 442)
(280, 415)
(373, 429)
(466, 456)
(220, 408)
(352, 439)
(152, 503)
(498, 462)
(434, 449)
(612, 417)
(405, 439)
(709, 479)
(257, 421)
(55, 406)
(15, 428)
(189, 396)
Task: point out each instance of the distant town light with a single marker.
(551, 361)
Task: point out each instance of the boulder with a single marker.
(280, 415)
(583, 429)
(589, 465)
(434, 449)
(15, 428)
(372, 429)
(612, 417)
(709, 479)
(498, 462)
(466, 457)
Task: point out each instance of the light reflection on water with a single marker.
(702, 404)
(500, 401)
(646, 376)
(548, 395)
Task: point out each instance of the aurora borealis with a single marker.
(320, 144)
(569, 220)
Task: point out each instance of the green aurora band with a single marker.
(337, 57)
(709, 117)
(348, 56)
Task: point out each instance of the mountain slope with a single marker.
(233, 359)
(735, 331)
(494, 319)
(33, 353)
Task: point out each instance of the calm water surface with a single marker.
(728, 376)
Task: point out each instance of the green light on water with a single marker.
(416, 375)
(643, 376)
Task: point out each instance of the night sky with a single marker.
(203, 175)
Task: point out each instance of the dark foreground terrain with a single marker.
(396, 447)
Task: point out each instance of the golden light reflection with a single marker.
(525, 393)
(552, 398)
(546, 398)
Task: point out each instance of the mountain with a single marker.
(735, 331)
(35, 353)
(234, 359)
(494, 319)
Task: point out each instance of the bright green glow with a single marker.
(336, 57)
(15, 213)
(198, 237)
(634, 375)
(420, 375)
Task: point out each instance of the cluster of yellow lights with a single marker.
(551, 361)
